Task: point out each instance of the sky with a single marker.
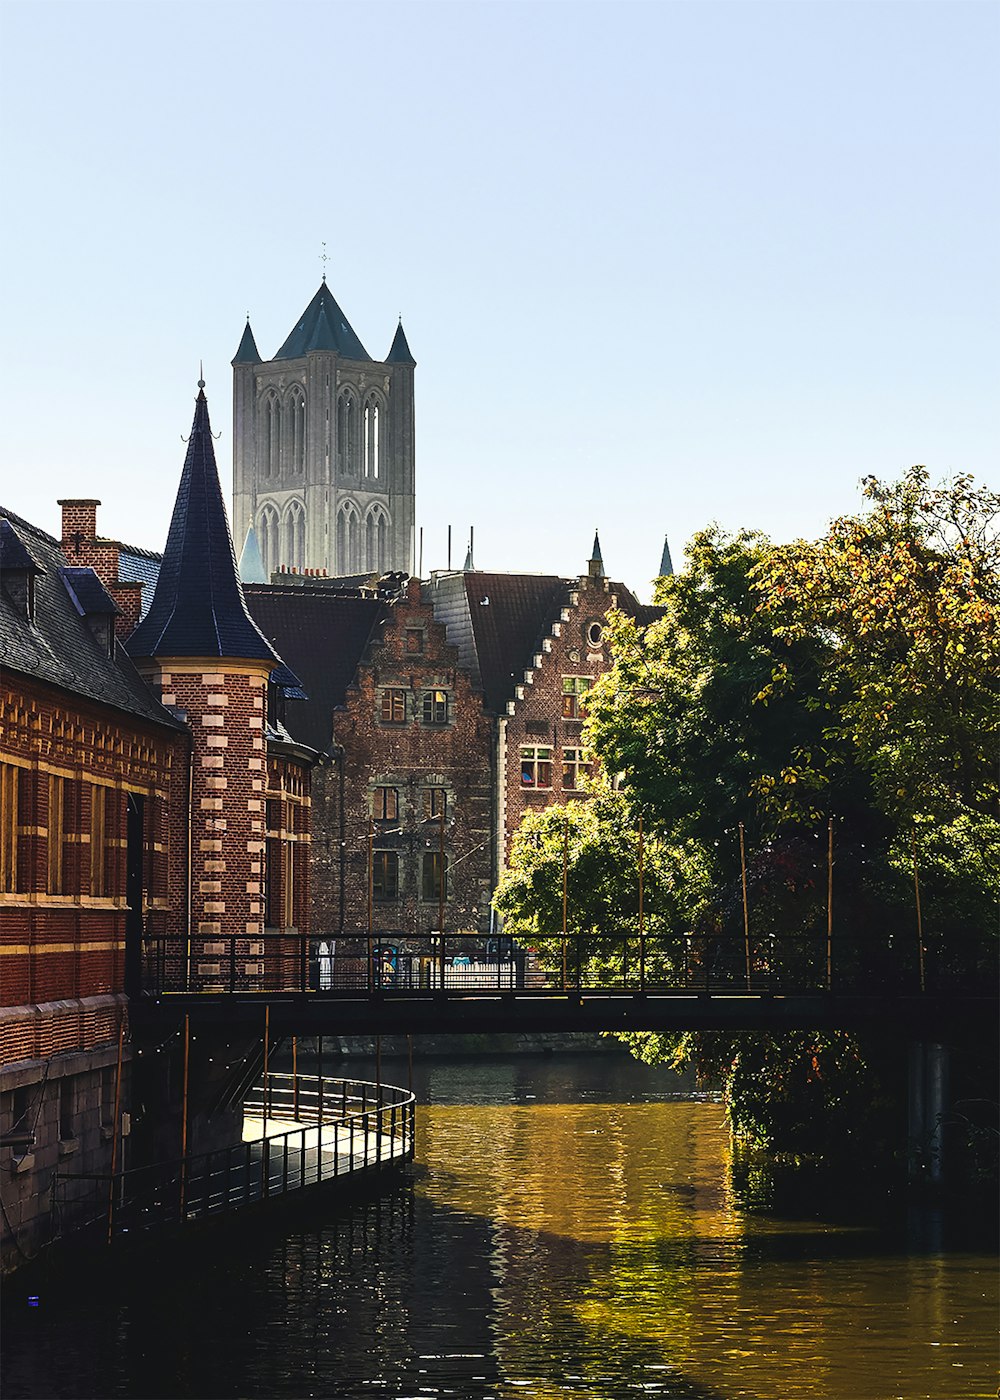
(659, 264)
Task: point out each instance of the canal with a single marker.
(571, 1228)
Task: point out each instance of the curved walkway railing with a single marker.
(300, 1132)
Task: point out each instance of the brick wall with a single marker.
(541, 716)
(398, 760)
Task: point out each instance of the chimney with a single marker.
(79, 525)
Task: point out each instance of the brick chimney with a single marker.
(82, 548)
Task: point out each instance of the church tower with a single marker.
(323, 451)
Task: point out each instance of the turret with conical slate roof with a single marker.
(247, 352)
(207, 660)
(399, 350)
(323, 448)
(198, 607)
(666, 563)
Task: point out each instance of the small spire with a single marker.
(201, 374)
(324, 260)
(399, 351)
(666, 563)
(595, 564)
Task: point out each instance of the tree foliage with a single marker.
(854, 680)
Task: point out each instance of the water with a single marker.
(568, 1231)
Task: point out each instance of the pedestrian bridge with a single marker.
(380, 984)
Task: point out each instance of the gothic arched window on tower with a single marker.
(376, 539)
(267, 538)
(293, 545)
(347, 432)
(297, 429)
(272, 434)
(348, 559)
(373, 458)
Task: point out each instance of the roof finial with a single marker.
(324, 260)
(201, 374)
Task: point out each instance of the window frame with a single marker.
(430, 878)
(435, 801)
(385, 876)
(575, 689)
(384, 797)
(580, 768)
(392, 705)
(538, 757)
(436, 710)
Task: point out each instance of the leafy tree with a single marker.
(854, 681)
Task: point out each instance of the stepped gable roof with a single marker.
(510, 614)
(322, 633)
(56, 646)
(323, 326)
(247, 352)
(198, 608)
(399, 351)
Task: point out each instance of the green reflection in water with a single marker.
(621, 1260)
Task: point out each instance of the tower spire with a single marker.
(666, 563)
(595, 564)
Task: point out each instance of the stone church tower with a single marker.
(323, 452)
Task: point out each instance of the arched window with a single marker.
(372, 446)
(267, 538)
(376, 539)
(294, 535)
(347, 432)
(272, 434)
(348, 560)
(297, 429)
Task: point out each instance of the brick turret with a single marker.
(201, 650)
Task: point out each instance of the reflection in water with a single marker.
(571, 1231)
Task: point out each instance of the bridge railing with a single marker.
(299, 1131)
(882, 961)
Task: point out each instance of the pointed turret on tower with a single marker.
(399, 350)
(208, 661)
(666, 563)
(595, 564)
(247, 352)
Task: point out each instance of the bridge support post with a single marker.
(929, 1074)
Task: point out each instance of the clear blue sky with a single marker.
(659, 264)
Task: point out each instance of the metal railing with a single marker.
(885, 962)
(299, 1132)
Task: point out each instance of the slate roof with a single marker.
(322, 326)
(666, 563)
(510, 614)
(247, 352)
(13, 555)
(322, 634)
(198, 607)
(399, 351)
(139, 566)
(58, 647)
(87, 592)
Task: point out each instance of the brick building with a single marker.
(402, 808)
(154, 817)
(92, 769)
(535, 643)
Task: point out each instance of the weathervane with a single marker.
(324, 260)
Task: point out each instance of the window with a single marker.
(435, 803)
(573, 768)
(272, 434)
(536, 767)
(372, 452)
(414, 640)
(348, 540)
(435, 875)
(376, 535)
(385, 804)
(9, 785)
(385, 875)
(574, 696)
(98, 840)
(57, 801)
(595, 634)
(393, 708)
(436, 707)
(297, 428)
